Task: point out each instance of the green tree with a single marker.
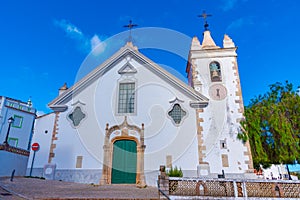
(272, 126)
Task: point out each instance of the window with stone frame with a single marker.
(215, 71)
(126, 99)
(76, 116)
(177, 113)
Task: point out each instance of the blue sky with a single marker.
(43, 43)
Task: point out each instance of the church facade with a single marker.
(129, 116)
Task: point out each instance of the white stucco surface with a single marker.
(221, 117)
(156, 92)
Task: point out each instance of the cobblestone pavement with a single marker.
(33, 188)
(4, 194)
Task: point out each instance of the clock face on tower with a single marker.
(217, 92)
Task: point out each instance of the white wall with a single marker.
(220, 117)
(98, 101)
(71, 143)
(42, 134)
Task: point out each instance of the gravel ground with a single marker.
(33, 188)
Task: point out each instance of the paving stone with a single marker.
(33, 188)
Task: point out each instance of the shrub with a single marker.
(175, 172)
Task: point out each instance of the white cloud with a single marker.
(228, 4)
(40, 113)
(95, 41)
(97, 46)
(86, 44)
(238, 23)
(71, 30)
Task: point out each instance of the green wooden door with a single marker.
(124, 162)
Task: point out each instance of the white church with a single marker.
(129, 116)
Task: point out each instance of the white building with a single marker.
(276, 172)
(15, 137)
(129, 116)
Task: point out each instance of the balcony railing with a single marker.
(20, 106)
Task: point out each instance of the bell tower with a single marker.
(213, 71)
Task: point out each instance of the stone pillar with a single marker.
(163, 180)
(105, 168)
(244, 189)
(236, 194)
(140, 167)
(240, 189)
(203, 169)
(141, 182)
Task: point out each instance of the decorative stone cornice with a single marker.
(124, 124)
(176, 100)
(78, 102)
(198, 104)
(127, 69)
(213, 53)
(59, 108)
(58, 103)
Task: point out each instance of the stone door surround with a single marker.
(125, 131)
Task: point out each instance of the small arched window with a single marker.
(215, 71)
(277, 191)
(201, 190)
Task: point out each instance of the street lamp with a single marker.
(10, 121)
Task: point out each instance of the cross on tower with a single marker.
(204, 16)
(130, 26)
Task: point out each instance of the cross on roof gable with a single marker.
(131, 50)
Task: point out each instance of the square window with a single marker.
(13, 142)
(18, 120)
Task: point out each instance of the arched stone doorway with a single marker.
(123, 143)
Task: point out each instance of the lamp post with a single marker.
(10, 121)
